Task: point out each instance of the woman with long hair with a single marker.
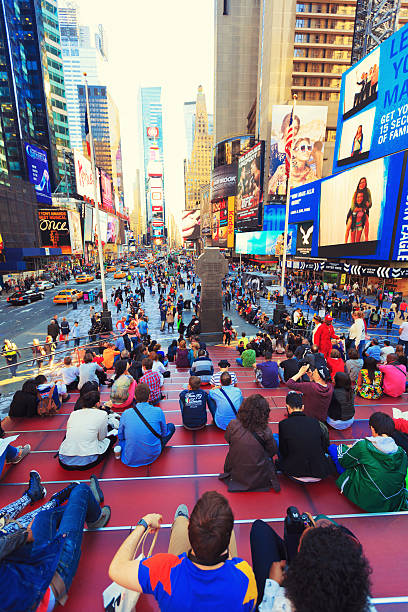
(361, 188)
(357, 142)
(249, 465)
(369, 381)
(340, 414)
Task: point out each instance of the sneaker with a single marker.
(22, 452)
(63, 495)
(96, 489)
(182, 510)
(102, 520)
(36, 490)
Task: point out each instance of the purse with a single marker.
(120, 599)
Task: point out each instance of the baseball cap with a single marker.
(224, 363)
(328, 318)
(324, 373)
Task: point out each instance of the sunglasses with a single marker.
(304, 148)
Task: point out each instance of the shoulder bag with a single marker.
(140, 415)
(119, 599)
(229, 401)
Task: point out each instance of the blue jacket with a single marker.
(193, 406)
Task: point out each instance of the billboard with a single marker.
(75, 232)
(54, 229)
(231, 222)
(88, 226)
(358, 212)
(190, 224)
(309, 129)
(219, 225)
(224, 181)
(84, 176)
(265, 242)
(103, 222)
(106, 189)
(152, 132)
(38, 172)
(250, 188)
(373, 114)
(112, 230)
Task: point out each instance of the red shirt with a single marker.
(335, 365)
(152, 380)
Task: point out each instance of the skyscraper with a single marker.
(26, 109)
(151, 130)
(189, 125)
(57, 88)
(198, 170)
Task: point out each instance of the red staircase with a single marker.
(191, 466)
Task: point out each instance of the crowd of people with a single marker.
(322, 376)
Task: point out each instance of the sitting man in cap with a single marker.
(224, 366)
(267, 372)
(317, 393)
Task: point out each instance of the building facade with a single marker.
(189, 125)
(198, 168)
(151, 131)
(237, 24)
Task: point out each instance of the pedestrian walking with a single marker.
(10, 352)
(75, 334)
(74, 302)
(65, 329)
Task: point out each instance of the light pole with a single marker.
(106, 318)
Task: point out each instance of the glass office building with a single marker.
(25, 90)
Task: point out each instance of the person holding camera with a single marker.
(317, 393)
(319, 565)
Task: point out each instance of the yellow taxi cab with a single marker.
(65, 296)
(84, 278)
(119, 275)
(111, 269)
(132, 267)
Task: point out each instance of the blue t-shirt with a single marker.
(270, 374)
(142, 327)
(224, 412)
(193, 406)
(374, 351)
(177, 584)
(139, 445)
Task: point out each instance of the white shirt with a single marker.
(86, 433)
(159, 367)
(404, 333)
(357, 331)
(69, 374)
(386, 350)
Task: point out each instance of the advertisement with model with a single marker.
(219, 225)
(106, 191)
(309, 129)
(190, 224)
(373, 106)
(248, 204)
(38, 172)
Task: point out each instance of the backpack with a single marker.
(46, 404)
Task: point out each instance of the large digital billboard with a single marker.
(373, 109)
(38, 172)
(309, 128)
(54, 229)
(112, 230)
(249, 197)
(223, 182)
(265, 242)
(106, 190)
(358, 212)
(219, 224)
(87, 222)
(75, 232)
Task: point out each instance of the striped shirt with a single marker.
(216, 379)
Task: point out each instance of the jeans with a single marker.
(266, 548)
(171, 429)
(332, 450)
(8, 454)
(12, 364)
(67, 520)
(77, 341)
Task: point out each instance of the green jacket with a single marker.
(375, 474)
(248, 358)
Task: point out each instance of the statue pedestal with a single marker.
(211, 268)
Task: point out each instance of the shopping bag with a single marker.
(120, 599)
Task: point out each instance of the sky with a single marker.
(151, 43)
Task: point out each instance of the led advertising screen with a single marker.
(75, 232)
(190, 224)
(249, 197)
(38, 172)
(106, 189)
(309, 129)
(265, 243)
(87, 222)
(103, 222)
(84, 176)
(224, 181)
(355, 210)
(219, 223)
(112, 230)
(373, 109)
(54, 229)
